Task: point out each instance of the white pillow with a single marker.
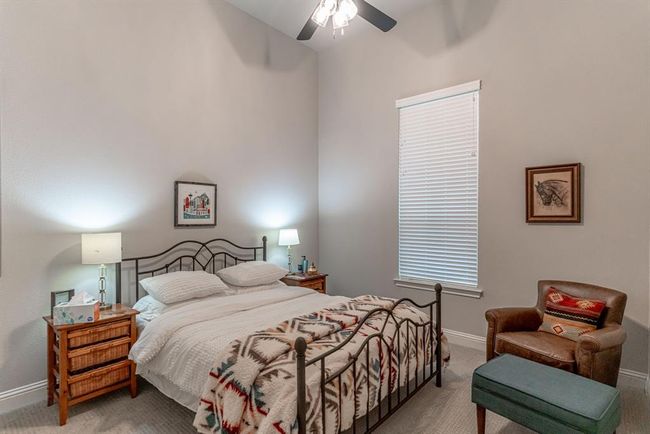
(149, 308)
(252, 273)
(182, 285)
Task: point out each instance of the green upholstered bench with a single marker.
(544, 399)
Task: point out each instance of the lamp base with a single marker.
(105, 306)
(290, 259)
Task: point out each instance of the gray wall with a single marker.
(104, 105)
(564, 81)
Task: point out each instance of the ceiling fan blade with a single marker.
(310, 28)
(308, 31)
(374, 16)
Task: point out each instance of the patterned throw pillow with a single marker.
(570, 317)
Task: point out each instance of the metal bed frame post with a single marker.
(263, 248)
(301, 349)
(438, 289)
(118, 283)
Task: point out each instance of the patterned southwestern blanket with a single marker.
(252, 385)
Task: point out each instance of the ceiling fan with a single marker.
(342, 11)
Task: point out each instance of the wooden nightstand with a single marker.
(88, 360)
(317, 282)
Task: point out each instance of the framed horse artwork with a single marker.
(553, 194)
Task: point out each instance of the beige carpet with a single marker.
(444, 411)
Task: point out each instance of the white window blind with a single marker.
(438, 186)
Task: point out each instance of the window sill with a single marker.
(449, 289)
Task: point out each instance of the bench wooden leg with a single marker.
(480, 419)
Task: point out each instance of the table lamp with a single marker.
(288, 237)
(101, 249)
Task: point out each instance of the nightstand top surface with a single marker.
(116, 311)
(302, 277)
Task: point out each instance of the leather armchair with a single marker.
(596, 355)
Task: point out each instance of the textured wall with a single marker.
(104, 105)
(564, 81)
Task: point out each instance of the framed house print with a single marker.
(195, 204)
(553, 194)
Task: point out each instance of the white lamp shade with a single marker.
(101, 248)
(288, 237)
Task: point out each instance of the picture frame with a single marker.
(554, 194)
(195, 204)
(57, 297)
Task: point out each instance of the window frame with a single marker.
(425, 284)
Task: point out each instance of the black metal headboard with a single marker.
(210, 256)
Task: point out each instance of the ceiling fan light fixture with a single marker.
(321, 15)
(330, 5)
(348, 8)
(339, 20)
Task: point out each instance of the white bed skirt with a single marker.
(170, 390)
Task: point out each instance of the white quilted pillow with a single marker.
(252, 273)
(182, 285)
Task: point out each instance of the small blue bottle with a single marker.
(305, 264)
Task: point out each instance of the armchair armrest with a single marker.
(598, 354)
(602, 339)
(508, 319)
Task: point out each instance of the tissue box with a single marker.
(75, 313)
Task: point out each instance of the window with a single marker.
(438, 187)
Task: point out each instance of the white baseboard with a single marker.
(633, 378)
(465, 339)
(23, 396)
(627, 376)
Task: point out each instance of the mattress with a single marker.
(178, 344)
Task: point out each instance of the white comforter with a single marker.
(181, 344)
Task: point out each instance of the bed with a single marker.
(280, 358)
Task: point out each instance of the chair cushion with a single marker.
(545, 399)
(570, 317)
(539, 347)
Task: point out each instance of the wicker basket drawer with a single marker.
(98, 354)
(83, 384)
(93, 335)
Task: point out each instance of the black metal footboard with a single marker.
(394, 399)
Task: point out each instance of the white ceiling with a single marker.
(289, 16)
